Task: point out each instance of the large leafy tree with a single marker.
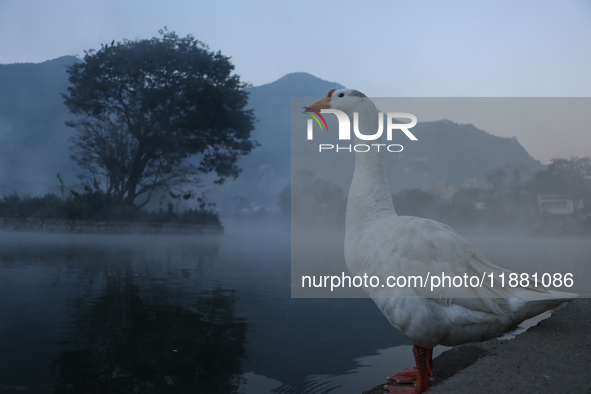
(146, 106)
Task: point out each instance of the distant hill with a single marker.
(267, 169)
(34, 140)
(272, 105)
(454, 153)
(33, 136)
(446, 154)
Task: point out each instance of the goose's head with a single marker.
(346, 100)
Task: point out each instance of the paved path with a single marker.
(552, 357)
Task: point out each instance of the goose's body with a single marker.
(380, 243)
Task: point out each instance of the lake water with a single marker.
(160, 314)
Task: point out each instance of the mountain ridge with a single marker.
(34, 139)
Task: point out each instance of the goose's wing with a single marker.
(427, 248)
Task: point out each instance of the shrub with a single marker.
(93, 204)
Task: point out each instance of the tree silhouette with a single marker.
(564, 176)
(146, 106)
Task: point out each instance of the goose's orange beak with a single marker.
(317, 106)
(322, 104)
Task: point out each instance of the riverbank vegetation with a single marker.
(554, 201)
(94, 204)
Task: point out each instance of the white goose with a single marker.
(381, 243)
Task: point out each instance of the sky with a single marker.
(382, 48)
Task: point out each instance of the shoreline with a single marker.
(104, 227)
(552, 356)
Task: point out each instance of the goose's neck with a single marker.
(369, 196)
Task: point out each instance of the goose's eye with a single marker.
(342, 95)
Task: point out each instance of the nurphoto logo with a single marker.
(345, 130)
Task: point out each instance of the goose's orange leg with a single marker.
(409, 375)
(421, 374)
(430, 362)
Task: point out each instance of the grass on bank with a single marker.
(97, 206)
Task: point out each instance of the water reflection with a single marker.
(119, 342)
(108, 314)
(138, 314)
(149, 314)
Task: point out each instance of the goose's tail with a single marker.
(526, 308)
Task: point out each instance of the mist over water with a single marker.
(539, 254)
(319, 255)
(84, 313)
